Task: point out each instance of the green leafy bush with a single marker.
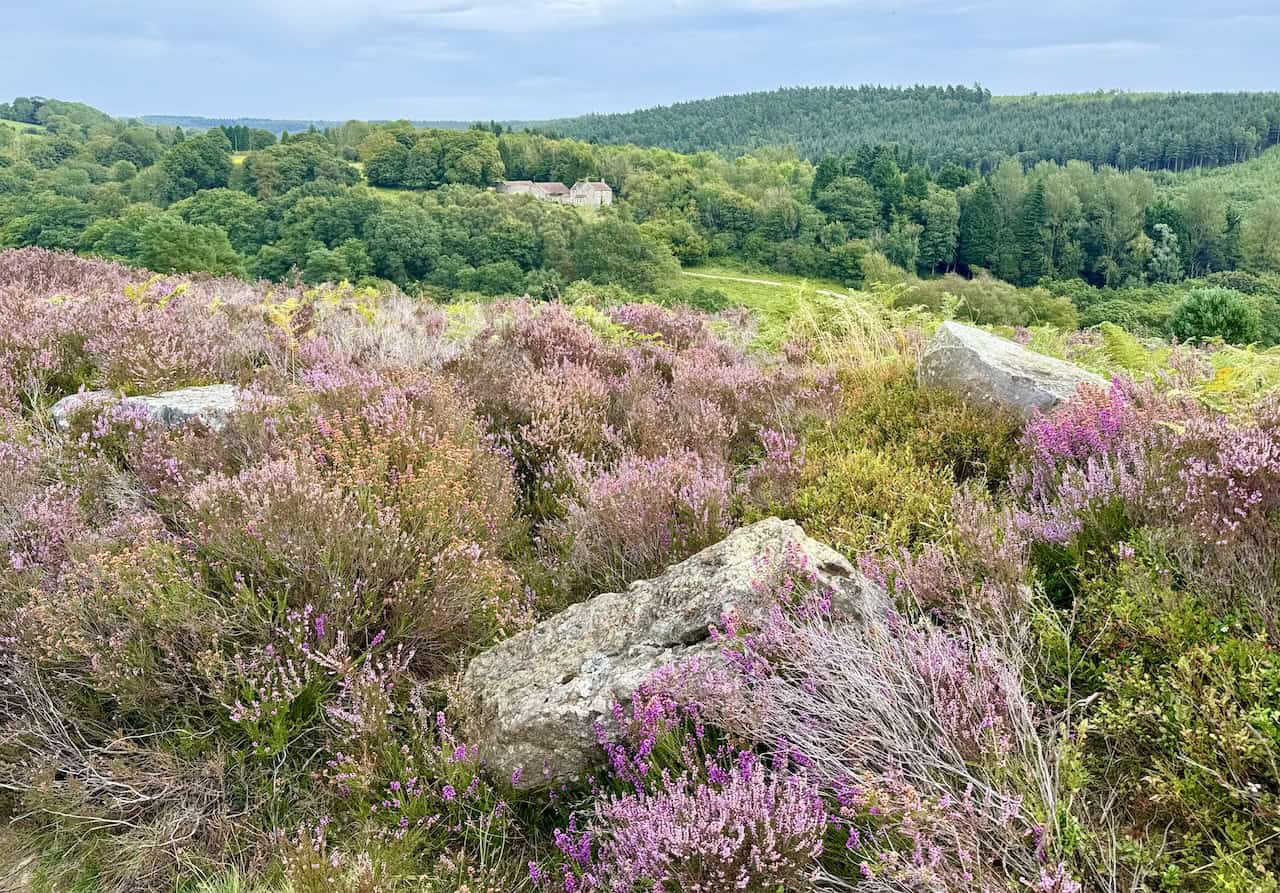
(1216, 313)
(1131, 315)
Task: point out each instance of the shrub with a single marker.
(990, 302)
(630, 522)
(975, 569)
(1107, 463)
(751, 829)
(884, 472)
(857, 497)
(1179, 743)
(1139, 318)
(1215, 313)
(573, 394)
(677, 809)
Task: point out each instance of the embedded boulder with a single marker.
(211, 405)
(536, 698)
(988, 370)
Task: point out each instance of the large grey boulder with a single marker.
(211, 405)
(536, 697)
(989, 370)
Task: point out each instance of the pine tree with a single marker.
(1033, 240)
(1166, 261)
(1230, 249)
(979, 221)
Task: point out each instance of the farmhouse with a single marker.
(591, 193)
(549, 191)
(586, 193)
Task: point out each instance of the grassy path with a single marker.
(773, 282)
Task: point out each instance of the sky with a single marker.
(538, 59)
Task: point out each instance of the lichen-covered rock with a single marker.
(536, 697)
(211, 404)
(992, 371)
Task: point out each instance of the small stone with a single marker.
(211, 405)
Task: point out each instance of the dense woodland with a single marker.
(391, 202)
(966, 125)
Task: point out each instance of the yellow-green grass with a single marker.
(21, 126)
(773, 303)
(832, 319)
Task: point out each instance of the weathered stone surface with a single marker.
(537, 696)
(17, 866)
(212, 405)
(18, 877)
(992, 371)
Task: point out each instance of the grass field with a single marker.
(776, 299)
(766, 290)
(22, 127)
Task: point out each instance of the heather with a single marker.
(230, 655)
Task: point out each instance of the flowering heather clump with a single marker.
(977, 570)
(629, 522)
(1092, 422)
(922, 737)
(646, 736)
(679, 329)
(41, 529)
(747, 828)
(1229, 482)
(1205, 483)
(731, 823)
(773, 479)
(558, 388)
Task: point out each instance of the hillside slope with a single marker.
(963, 124)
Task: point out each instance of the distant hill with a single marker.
(963, 124)
(276, 125)
(38, 111)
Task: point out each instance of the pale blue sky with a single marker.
(472, 59)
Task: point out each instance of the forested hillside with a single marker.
(966, 125)
(378, 203)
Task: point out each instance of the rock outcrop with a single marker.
(211, 405)
(992, 371)
(537, 696)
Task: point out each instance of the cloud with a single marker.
(1109, 49)
(463, 15)
(1246, 20)
(410, 48)
(517, 16)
